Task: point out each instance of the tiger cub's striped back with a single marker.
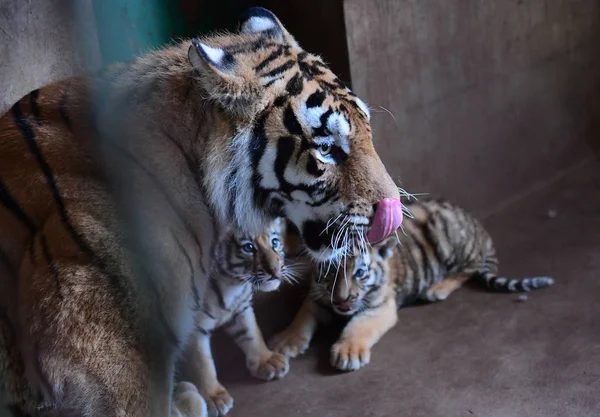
(443, 241)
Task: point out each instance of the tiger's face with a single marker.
(305, 139)
(355, 286)
(258, 260)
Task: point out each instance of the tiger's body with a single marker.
(112, 190)
(242, 265)
(442, 247)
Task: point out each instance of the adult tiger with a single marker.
(111, 187)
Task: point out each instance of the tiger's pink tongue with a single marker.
(387, 219)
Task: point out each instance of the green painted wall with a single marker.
(130, 27)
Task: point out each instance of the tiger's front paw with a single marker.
(218, 401)
(272, 366)
(350, 355)
(187, 402)
(289, 343)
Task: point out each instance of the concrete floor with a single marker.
(478, 353)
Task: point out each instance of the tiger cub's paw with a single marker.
(187, 402)
(272, 366)
(218, 401)
(350, 355)
(289, 343)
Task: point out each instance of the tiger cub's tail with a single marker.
(496, 283)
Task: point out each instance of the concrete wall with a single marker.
(490, 98)
(42, 41)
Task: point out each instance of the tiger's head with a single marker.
(302, 142)
(356, 285)
(258, 259)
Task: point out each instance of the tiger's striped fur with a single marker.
(242, 265)
(442, 247)
(113, 186)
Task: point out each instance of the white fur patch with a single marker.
(340, 128)
(266, 168)
(258, 24)
(338, 125)
(363, 107)
(312, 116)
(299, 195)
(214, 54)
(271, 285)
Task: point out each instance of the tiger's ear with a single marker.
(385, 249)
(260, 20)
(203, 56)
(220, 75)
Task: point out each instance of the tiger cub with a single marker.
(441, 249)
(241, 265)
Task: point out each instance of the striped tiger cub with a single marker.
(242, 264)
(442, 248)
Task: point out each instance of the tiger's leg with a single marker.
(200, 367)
(261, 362)
(447, 286)
(294, 340)
(353, 349)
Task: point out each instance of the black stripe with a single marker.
(257, 146)
(193, 286)
(291, 122)
(203, 331)
(11, 204)
(280, 101)
(322, 129)
(215, 287)
(273, 56)
(312, 167)
(280, 69)
(35, 107)
(250, 47)
(232, 186)
(240, 333)
(206, 311)
(273, 81)
(295, 85)
(62, 109)
(29, 136)
(240, 312)
(316, 99)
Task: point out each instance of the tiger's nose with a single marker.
(276, 271)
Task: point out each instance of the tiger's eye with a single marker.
(360, 273)
(275, 243)
(324, 149)
(248, 248)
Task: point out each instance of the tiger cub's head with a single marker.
(355, 286)
(258, 260)
(303, 144)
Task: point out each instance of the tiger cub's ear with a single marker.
(223, 79)
(385, 249)
(260, 20)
